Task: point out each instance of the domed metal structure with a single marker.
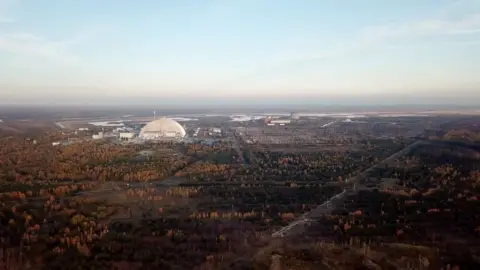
(162, 128)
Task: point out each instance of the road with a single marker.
(330, 123)
(263, 183)
(236, 146)
(337, 200)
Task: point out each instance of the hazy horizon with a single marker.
(240, 53)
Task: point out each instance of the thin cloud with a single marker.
(29, 44)
(368, 38)
(5, 19)
(424, 28)
(24, 36)
(224, 8)
(378, 36)
(4, 8)
(35, 46)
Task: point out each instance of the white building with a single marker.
(294, 116)
(126, 135)
(107, 124)
(97, 136)
(280, 121)
(195, 134)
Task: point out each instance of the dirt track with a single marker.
(334, 202)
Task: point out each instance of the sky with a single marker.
(239, 51)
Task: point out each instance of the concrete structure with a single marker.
(122, 129)
(127, 135)
(107, 124)
(195, 134)
(215, 132)
(280, 121)
(162, 128)
(97, 136)
(294, 116)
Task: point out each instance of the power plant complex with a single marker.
(157, 129)
(168, 129)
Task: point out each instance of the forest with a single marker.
(103, 205)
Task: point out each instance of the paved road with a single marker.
(337, 200)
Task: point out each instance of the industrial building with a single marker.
(280, 121)
(126, 135)
(272, 122)
(295, 116)
(215, 132)
(98, 136)
(162, 128)
(195, 134)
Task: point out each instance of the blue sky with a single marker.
(90, 51)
